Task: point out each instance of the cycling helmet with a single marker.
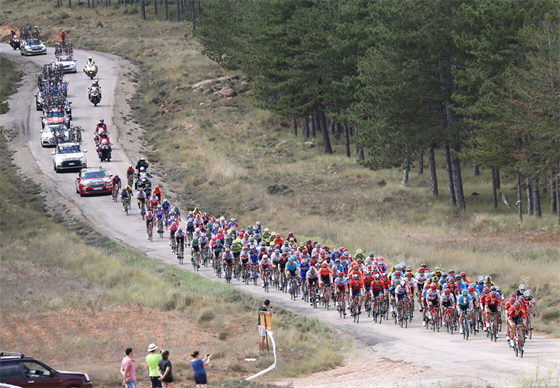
(398, 273)
(228, 250)
(376, 276)
(451, 272)
(128, 187)
(292, 258)
(448, 291)
(522, 287)
(141, 189)
(337, 261)
(421, 270)
(408, 268)
(457, 277)
(493, 288)
(480, 281)
(176, 208)
(149, 213)
(197, 230)
(218, 241)
(451, 280)
(371, 254)
(380, 259)
(488, 279)
(355, 276)
(471, 289)
(355, 266)
(434, 286)
(463, 274)
(408, 274)
(397, 281)
(12, 31)
(369, 268)
(359, 261)
(423, 265)
(346, 253)
(251, 239)
(513, 295)
(444, 275)
(465, 292)
(174, 223)
(486, 290)
(435, 279)
(325, 265)
(359, 251)
(527, 294)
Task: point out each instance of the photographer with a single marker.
(262, 330)
(198, 368)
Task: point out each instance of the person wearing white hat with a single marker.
(152, 359)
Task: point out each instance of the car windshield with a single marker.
(34, 42)
(94, 174)
(65, 59)
(54, 114)
(69, 149)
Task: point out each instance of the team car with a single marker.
(93, 181)
(55, 116)
(39, 100)
(68, 63)
(33, 46)
(19, 370)
(69, 156)
(51, 135)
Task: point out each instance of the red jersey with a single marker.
(325, 271)
(513, 313)
(509, 302)
(378, 284)
(351, 272)
(356, 285)
(488, 300)
(368, 279)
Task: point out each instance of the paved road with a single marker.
(445, 357)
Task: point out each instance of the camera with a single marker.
(208, 355)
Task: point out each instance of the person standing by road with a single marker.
(198, 368)
(262, 330)
(164, 370)
(152, 359)
(127, 370)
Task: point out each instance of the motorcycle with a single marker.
(104, 151)
(91, 70)
(15, 43)
(95, 96)
(142, 179)
(98, 137)
(145, 184)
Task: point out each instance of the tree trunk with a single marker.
(552, 192)
(406, 169)
(359, 149)
(165, 11)
(143, 9)
(558, 195)
(458, 180)
(337, 130)
(193, 14)
(177, 2)
(433, 174)
(332, 126)
(420, 161)
(294, 124)
(155, 7)
(69, 3)
(313, 120)
(199, 8)
(529, 198)
(347, 140)
(519, 199)
(494, 187)
(475, 170)
(305, 126)
(450, 185)
(536, 199)
(322, 119)
(497, 172)
(106, 3)
(88, 3)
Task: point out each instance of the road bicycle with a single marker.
(466, 324)
(492, 330)
(115, 193)
(341, 304)
(181, 253)
(402, 316)
(160, 227)
(519, 341)
(434, 320)
(143, 209)
(448, 318)
(194, 260)
(354, 310)
(150, 232)
(294, 287)
(126, 205)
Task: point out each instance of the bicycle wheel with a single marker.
(467, 328)
(126, 207)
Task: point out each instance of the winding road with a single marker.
(437, 358)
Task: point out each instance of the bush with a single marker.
(99, 24)
(551, 315)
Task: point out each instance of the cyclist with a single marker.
(341, 284)
(125, 196)
(464, 305)
(153, 203)
(326, 279)
(303, 269)
(292, 269)
(430, 297)
(400, 293)
(180, 240)
(117, 184)
(447, 301)
(421, 279)
(172, 229)
(464, 278)
(356, 286)
(244, 256)
(378, 289)
(516, 316)
(157, 191)
(254, 257)
(410, 288)
(130, 174)
(265, 266)
(141, 197)
(196, 244)
(312, 279)
(158, 212)
(149, 224)
(217, 250)
(492, 302)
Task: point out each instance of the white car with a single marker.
(33, 46)
(69, 156)
(50, 133)
(68, 63)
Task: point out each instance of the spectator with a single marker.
(127, 370)
(164, 370)
(152, 360)
(198, 368)
(262, 330)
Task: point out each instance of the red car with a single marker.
(54, 117)
(93, 181)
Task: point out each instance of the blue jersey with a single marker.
(159, 214)
(304, 268)
(464, 301)
(463, 286)
(292, 266)
(166, 206)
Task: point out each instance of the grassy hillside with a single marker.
(230, 158)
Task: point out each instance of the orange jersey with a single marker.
(325, 271)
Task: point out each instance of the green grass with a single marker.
(225, 156)
(9, 82)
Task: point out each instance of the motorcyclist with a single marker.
(141, 175)
(142, 163)
(90, 62)
(63, 36)
(12, 34)
(94, 85)
(104, 142)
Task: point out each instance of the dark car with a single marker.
(23, 371)
(93, 181)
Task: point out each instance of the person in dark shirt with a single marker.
(262, 330)
(165, 370)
